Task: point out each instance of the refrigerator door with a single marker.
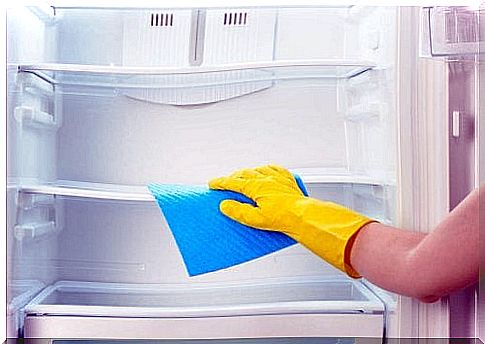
(451, 46)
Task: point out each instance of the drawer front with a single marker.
(264, 326)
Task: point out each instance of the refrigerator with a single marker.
(362, 102)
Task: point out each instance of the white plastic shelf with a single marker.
(200, 76)
(139, 193)
(92, 190)
(296, 307)
(258, 297)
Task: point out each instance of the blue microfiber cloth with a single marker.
(208, 240)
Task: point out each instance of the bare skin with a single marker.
(423, 266)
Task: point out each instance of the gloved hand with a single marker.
(325, 228)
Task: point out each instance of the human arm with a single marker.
(410, 263)
(423, 266)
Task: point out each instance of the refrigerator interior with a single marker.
(103, 101)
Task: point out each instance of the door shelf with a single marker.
(201, 76)
(258, 297)
(451, 32)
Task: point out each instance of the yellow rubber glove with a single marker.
(325, 228)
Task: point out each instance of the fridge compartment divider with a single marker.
(173, 77)
(140, 193)
(256, 297)
(92, 190)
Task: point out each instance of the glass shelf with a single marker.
(202, 76)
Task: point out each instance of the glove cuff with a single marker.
(329, 230)
(348, 268)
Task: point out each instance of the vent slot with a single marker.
(161, 19)
(235, 19)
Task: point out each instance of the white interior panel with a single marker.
(124, 141)
(324, 32)
(89, 37)
(156, 38)
(28, 43)
(239, 35)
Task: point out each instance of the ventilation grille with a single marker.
(235, 19)
(161, 19)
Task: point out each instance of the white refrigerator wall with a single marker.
(30, 43)
(329, 128)
(325, 30)
(125, 141)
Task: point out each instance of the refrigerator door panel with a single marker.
(451, 32)
(455, 35)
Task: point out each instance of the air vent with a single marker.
(235, 19)
(161, 19)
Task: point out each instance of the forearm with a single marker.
(424, 266)
(409, 263)
(382, 254)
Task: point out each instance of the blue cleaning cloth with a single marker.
(208, 240)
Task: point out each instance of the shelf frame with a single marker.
(47, 71)
(371, 304)
(140, 193)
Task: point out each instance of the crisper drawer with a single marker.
(303, 307)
